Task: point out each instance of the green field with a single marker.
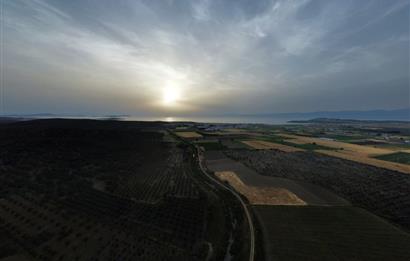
(211, 145)
(329, 233)
(346, 138)
(400, 157)
(280, 140)
(234, 144)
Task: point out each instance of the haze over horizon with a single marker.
(204, 57)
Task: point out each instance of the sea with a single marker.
(217, 119)
(200, 119)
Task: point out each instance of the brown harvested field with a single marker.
(234, 130)
(260, 195)
(353, 152)
(364, 150)
(366, 160)
(297, 141)
(216, 133)
(188, 134)
(266, 145)
(314, 195)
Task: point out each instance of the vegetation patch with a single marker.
(261, 145)
(346, 138)
(349, 155)
(211, 145)
(345, 178)
(400, 157)
(304, 146)
(329, 233)
(188, 134)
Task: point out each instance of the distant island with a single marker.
(390, 115)
(347, 121)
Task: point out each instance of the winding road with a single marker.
(245, 208)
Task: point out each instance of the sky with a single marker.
(187, 57)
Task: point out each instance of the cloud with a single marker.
(201, 10)
(223, 55)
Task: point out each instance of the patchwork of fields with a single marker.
(94, 190)
(306, 203)
(367, 160)
(380, 191)
(359, 153)
(311, 194)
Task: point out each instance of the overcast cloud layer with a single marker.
(105, 57)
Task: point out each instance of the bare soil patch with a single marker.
(364, 150)
(366, 160)
(266, 145)
(188, 134)
(260, 195)
(309, 193)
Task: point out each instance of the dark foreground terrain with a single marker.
(107, 190)
(111, 190)
(329, 233)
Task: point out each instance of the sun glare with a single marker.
(170, 95)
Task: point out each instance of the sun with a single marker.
(170, 95)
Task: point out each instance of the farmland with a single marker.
(329, 233)
(400, 157)
(260, 195)
(364, 150)
(380, 191)
(308, 193)
(359, 153)
(211, 145)
(188, 134)
(391, 165)
(101, 190)
(109, 190)
(259, 144)
(345, 209)
(281, 142)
